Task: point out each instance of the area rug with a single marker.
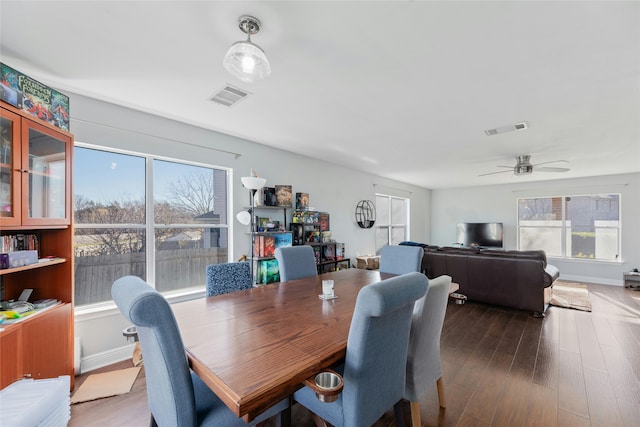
(571, 295)
(108, 384)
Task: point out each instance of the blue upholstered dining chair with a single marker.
(423, 360)
(228, 277)
(177, 397)
(375, 363)
(399, 259)
(296, 262)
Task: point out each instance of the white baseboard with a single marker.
(106, 358)
(598, 280)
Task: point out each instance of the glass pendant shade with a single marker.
(247, 61)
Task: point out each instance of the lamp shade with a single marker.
(244, 217)
(247, 61)
(253, 182)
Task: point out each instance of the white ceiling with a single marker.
(401, 89)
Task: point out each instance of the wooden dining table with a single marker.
(256, 347)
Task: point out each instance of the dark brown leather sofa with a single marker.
(517, 279)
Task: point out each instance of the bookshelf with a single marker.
(265, 266)
(312, 228)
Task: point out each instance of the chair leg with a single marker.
(397, 409)
(415, 414)
(440, 386)
(319, 421)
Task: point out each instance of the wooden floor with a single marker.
(501, 368)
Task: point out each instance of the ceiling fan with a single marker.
(523, 166)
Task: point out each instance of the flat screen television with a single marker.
(484, 234)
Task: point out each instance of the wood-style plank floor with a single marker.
(501, 367)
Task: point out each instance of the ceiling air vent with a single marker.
(229, 95)
(505, 129)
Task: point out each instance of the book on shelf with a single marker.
(257, 244)
(257, 272)
(302, 200)
(312, 236)
(306, 216)
(269, 271)
(269, 196)
(326, 237)
(283, 240)
(323, 219)
(339, 250)
(261, 223)
(264, 245)
(316, 254)
(329, 252)
(19, 242)
(283, 195)
(268, 246)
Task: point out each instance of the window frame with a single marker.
(391, 226)
(150, 225)
(565, 226)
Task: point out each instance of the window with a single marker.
(571, 226)
(158, 219)
(392, 220)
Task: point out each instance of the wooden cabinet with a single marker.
(10, 366)
(35, 173)
(35, 199)
(50, 331)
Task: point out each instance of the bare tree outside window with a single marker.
(193, 193)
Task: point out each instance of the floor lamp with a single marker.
(253, 184)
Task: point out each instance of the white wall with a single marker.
(498, 203)
(332, 188)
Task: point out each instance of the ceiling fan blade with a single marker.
(502, 166)
(551, 169)
(553, 161)
(493, 173)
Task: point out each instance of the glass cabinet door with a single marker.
(46, 159)
(9, 168)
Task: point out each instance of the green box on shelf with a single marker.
(37, 99)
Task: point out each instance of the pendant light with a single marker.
(244, 59)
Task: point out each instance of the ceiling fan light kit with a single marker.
(523, 165)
